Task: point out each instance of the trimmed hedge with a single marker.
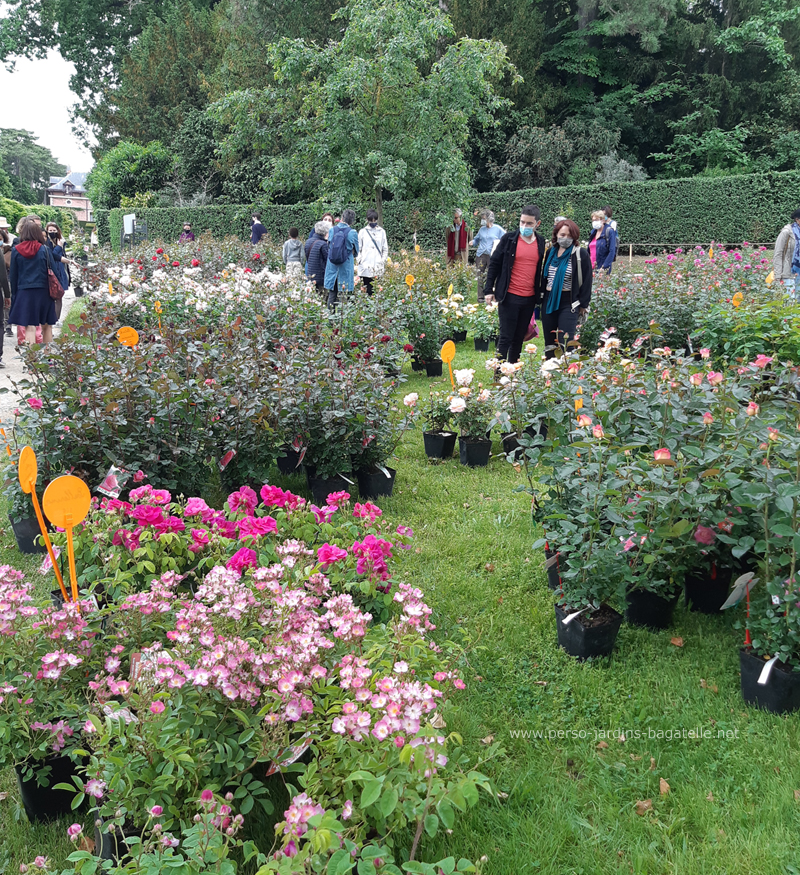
(672, 212)
(14, 211)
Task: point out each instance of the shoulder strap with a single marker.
(380, 251)
(580, 267)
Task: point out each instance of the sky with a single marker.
(47, 118)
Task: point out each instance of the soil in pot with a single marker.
(583, 638)
(289, 461)
(645, 608)
(474, 453)
(321, 487)
(706, 590)
(553, 572)
(439, 444)
(481, 344)
(434, 369)
(26, 531)
(373, 482)
(780, 694)
(459, 336)
(45, 803)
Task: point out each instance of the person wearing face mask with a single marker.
(373, 250)
(457, 240)
(513, 279)
(485, 240)
(602, 242)
(567, 282)
(786, 258)
(187, 236)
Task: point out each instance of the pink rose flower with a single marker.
(662, 455)
(35, 403)
(704, 535)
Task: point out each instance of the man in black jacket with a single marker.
(514, 279)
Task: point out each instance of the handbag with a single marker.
(53, 283)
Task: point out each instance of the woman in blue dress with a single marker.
(31, 302)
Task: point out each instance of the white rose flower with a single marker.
(411, 399)
(464, 376)
(457, 405)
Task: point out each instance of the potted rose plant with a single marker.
(471, 409)
(482, 322)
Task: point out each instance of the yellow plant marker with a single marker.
(416, 247)
(128, 336)
(28, 472)
(409, 279)
(447, 355)
(579, 401)
(159, 309)
(110, 288)
(770, 278)
(710, 251)
(450, 290)
(66, 502)
(737, 299)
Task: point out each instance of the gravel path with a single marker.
(13, 370)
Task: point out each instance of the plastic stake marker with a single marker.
(28, 472)
(66, 502)
(447, 354)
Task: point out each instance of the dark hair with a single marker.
(573, 229)
(256, 216)
(55, 225)
(348, 216)
(293, 232)
(372, 215)
(532, 210)
(608, 211)
(796, 215)
(4, 235)
(30, 230)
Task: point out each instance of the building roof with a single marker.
(78, 180)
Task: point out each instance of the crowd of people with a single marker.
(31, 261)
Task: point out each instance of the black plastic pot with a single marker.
(289, 461)
(434, 369)
(26, 531)
(780, 694)
(481, 345)
(417, 365)
(459, 336)
(439, 444)
(553, 572)
(707, 590)
(583, 640)
(78, 290)
(321, 487)
(111, 845)
(474, 453)
(373, 483)
(45, 803)
(645, 608)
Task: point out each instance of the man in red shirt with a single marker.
(514, 279)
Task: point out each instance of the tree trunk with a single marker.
(379, 204)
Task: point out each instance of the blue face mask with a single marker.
(525, 231)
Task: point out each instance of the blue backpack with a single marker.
(338, 250)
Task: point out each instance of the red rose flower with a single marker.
(195, 262)
(159, 251)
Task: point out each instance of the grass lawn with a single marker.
(567, 804)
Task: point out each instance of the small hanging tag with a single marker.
(743, 584)
(226, 460)
(114, 482)
(776, 600)
(765, 672)
(346, 479)
(568, 619)
(549, 563)
(295, 752)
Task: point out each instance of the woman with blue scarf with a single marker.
(567, 283)
(786, 258)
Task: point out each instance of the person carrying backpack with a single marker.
(602, 242)
(342, 250)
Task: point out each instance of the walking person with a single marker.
(317, 255)
(609, 212)
(484, 240)
(567, 287)
(187, 235)
(6, 243)
(786, 258)
(294, 256)
(373, 250)
(514, 279)
(60, 263)
(5, 286)
(457, 240)
(31, 305)
(257, 230)
(602, 242)
(342, 250)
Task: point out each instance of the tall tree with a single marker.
(28, 164)
(385, 109)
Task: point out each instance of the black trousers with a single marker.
(559, 328)
(515, 313)
(333, 295)
(367, 280)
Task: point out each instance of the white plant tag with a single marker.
(385, 471)
(568, 619)
(551, 561)
(743, 583)
(765, 672)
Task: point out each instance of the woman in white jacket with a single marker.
(373, 250)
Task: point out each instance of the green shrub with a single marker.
(671, 212)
